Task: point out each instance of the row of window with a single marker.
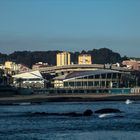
(96, 83)
(103, 76)
(35, 79)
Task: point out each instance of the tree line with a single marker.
(28, 58)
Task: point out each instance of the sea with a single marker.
(17, 123)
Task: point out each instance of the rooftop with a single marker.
(79, 74)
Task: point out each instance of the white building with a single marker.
(32, 79)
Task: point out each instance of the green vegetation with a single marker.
(28, 58)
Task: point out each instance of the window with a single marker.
(96, 83)
(78, 84)
(71, 84)
(103, 83)
(109, 75)
(103, 76)
(90, 83)
(91, 77)
(65, 84)
(97, 76)
(84, 83)
(114, 75)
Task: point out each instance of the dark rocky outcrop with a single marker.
(71, 114)
(88, 112)
(108, 110)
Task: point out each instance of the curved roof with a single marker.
(29, 75)
(88, 73)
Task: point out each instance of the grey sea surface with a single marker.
(16, 122)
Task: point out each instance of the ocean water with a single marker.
(16, 122)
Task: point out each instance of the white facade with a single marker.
(31, 79)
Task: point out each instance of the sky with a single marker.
(70, 25)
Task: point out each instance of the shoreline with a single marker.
(67, 98)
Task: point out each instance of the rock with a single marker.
(72, 114)
(88, 112)
(108, 110)
(39, 113)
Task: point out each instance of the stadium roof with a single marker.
(29, 75)
(88, 73)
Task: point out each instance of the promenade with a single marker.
(67, 98)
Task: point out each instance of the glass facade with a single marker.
(96, 79)
(107, 80)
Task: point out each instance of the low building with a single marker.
(92, 79)
(32, 79)
(22, 68)
(13, 68)
(58, 81)
(84, 59)
(132, 64)
(9, 64)
(39, 66)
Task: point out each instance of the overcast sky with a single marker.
(70, 25)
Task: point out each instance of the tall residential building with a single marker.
(84, 59)
(63, 59)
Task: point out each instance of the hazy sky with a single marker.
(71, 25)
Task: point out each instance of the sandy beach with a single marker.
(67, 98)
